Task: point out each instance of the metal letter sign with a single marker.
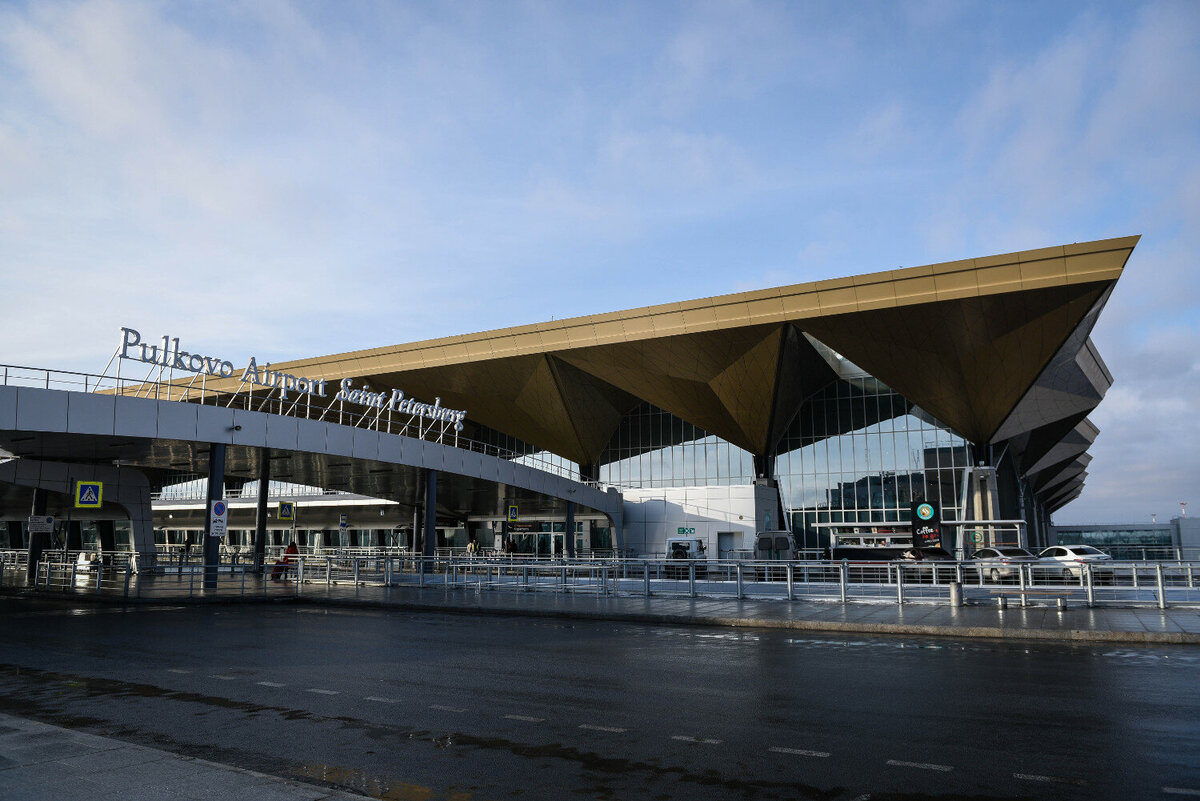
(513, 517)
(217, 519)
(287, 511)
(89, 494)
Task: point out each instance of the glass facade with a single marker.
(857, 453)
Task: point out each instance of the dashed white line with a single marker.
(1033, 777)
(323, 692)
(446, 708)
(525, 718)
(177, 670)
(612, 729)
(687, 738)
(270, 684)
(1180, 791)
(224, 678)
(921, 765)
(382, 700)
(798, 751)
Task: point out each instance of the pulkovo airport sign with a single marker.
(166, 352)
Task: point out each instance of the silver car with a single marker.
(1001, 562)
(1071, 558)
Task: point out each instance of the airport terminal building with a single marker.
(826, 409)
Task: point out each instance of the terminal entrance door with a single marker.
(558, 548)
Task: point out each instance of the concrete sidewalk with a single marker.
(1174, 626)
(39, 762)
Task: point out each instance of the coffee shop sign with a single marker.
(166, 352)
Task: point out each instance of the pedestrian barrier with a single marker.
(1107, 584)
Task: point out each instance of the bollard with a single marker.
(1091, 586)
(356, 571)
(128, 575)
(740, 592)
(899, 585)
(1162, 594)
(1021, 573)
(842, 579)
(1002, 602)
(956, 596)
(692, 579)
(790, 583)
(1062, 603)
(646, 578)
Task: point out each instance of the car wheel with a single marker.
(994, 576)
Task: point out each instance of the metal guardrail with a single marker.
(1108, 584)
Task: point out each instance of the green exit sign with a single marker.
(686, 532)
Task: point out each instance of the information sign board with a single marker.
(218, 519)
(41, 525)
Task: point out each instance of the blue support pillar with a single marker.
(430, 527)
(569, 530)
(216, 492)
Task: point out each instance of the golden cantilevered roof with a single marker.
(963, 340)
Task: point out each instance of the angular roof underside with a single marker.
(995, 348)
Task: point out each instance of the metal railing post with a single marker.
(692, 579)
(356, 571)
(525, 578)
(646, 578)
(328, 571)
(74, 568)
(420, 571)
(1162, 594)
(740, 591)
(299, 574)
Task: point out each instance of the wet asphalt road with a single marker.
(423, 706)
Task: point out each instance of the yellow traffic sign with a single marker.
(287, 510)
(89, 494)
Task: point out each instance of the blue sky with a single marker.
(287, 179)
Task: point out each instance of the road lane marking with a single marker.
(446, 708)
(1034, 777)
(224, 678)
(1180, 791)
(525, 718)
(270, 684)
(797, 751)
(612, 729)
(382, 700)
(177, 670)
(323, 692)
(921, 765)
(686, 738)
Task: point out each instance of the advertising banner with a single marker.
(926, 524)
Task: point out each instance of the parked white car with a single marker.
(1001, 562)
(1071, 558)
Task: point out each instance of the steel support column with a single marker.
(38, 543)
(260, 519)
(569, 530)
(430, 513)
(216, 492)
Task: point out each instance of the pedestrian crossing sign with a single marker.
(513, 517)
(287, 510)
(89, 494)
